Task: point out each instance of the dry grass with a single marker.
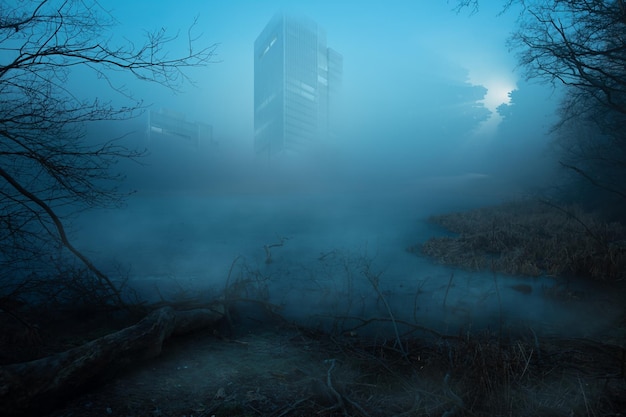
(531, 238)
(481, 375)
(289, 371)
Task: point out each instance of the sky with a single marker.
(420, 90)
(421, 84)
(391, 54)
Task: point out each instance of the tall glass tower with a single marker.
(296, 83)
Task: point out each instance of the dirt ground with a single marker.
(281, 370)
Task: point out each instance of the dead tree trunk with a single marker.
(34, 387)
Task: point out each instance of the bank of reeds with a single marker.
(531, 238)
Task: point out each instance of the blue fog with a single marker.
(435, 118)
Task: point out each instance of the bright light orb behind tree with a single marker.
(498, 93)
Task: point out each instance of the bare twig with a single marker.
(448, 288)
(268, 251)
(374, 281)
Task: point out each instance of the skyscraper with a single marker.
(296, 82)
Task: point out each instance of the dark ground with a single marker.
(277, 369)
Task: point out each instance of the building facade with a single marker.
(296, 85)
(168, 128)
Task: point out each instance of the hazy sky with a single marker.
(421, 83)
(390, 52)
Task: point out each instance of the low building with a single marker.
(170, 128)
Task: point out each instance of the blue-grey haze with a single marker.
(420, 135)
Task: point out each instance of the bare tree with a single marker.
(49, 168)
(580, 45)
(474, 5)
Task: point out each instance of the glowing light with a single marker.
(498, 93)
(499, 89)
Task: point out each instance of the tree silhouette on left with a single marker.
(48, 163)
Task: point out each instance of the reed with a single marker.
(531, 238)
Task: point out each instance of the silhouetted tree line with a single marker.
(49, 168)
(580, 45)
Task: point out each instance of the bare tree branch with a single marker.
(581, 46)
(49, 165)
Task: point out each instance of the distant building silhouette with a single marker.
(171, 129)
(296, 83)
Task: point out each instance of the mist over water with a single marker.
(321, 237)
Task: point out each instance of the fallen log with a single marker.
(35, 387)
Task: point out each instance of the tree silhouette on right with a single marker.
(580, 45)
